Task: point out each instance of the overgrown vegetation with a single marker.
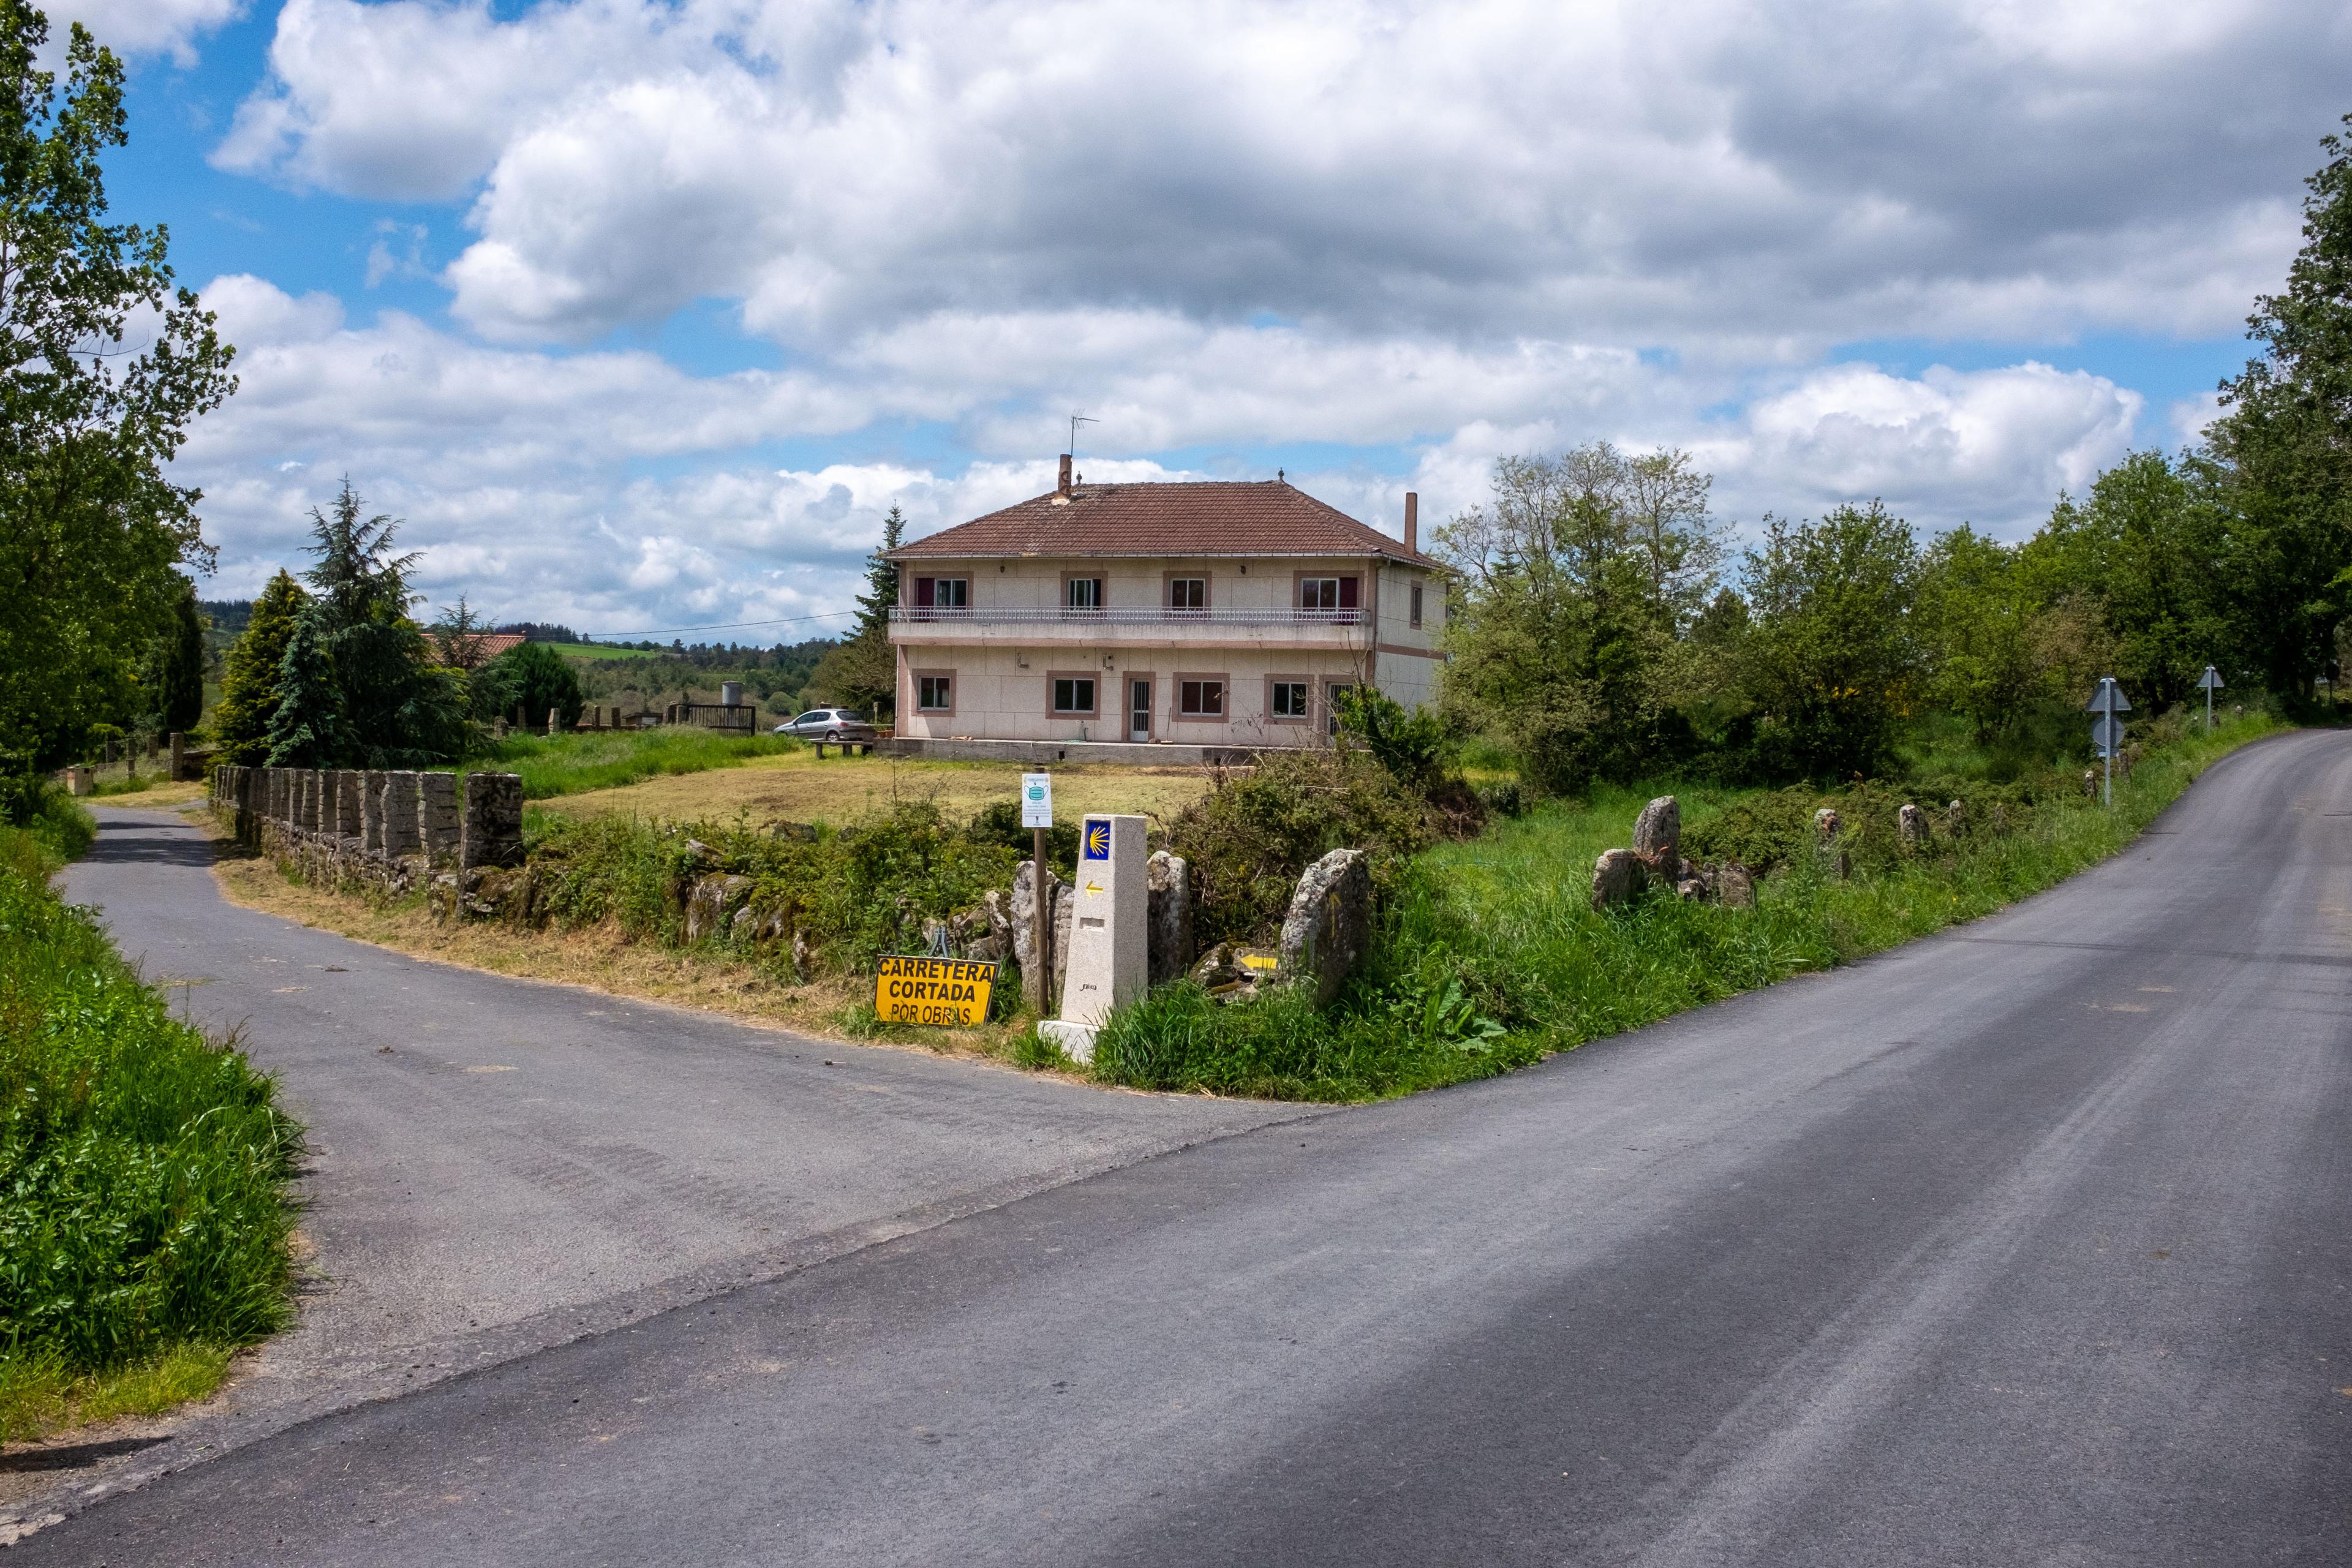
(143, 1172)
(1490, 954)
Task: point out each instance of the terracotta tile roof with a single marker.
(1204, 517)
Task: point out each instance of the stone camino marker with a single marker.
(1108, 963)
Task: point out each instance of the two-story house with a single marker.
(1200, 618)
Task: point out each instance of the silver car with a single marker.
(829, 724)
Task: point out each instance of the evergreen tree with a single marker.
(306, 726)
(180, 666)
(249, 684)
(396, 707)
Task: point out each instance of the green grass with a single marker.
(552, 765)
(143, 1171)
(601, 652)
(40, 1393)
(1492, 957)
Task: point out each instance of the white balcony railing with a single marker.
(906, 614)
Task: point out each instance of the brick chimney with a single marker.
(1063, 487)
(1411, 523)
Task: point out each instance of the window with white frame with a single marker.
(935, 693)
(1074, 694)
(1084, 594)
(1201, 698)
(1289, 700)
(1188, 596)
(1415, 602)
(951, 594)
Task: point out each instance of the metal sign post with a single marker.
(1038, 815)
(2107, 729)
(2209, 682)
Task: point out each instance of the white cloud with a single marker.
(1620, 173)
(132, 27)
(1993, 448)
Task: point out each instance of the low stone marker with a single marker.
(1955, 818)
(1618, 876)
(714, 898)
(1658, 838)
(1036, 986)
(1329, 925)
(1171, 918)
(492, 834)
(437, 817)
(1108, 966)
(1911, 825)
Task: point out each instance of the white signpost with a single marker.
(2107, 729)
(2209, 683)
(1108, 966)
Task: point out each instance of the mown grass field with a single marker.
(791, 785)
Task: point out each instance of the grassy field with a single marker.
(597, 652)
(553, 765)
(143, 1170)
(794, 786)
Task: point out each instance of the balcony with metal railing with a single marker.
(1139, 623)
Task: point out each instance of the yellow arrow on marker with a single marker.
(1094, 886)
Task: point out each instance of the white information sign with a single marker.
(1036, 800)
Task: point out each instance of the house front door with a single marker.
(1138, 711)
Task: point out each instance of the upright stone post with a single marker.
(396, 816)
(437, 817)
(179, 755)
(372, 812)
(554, 716)
(350, 784)
(313, 798)
(1109, 964)
(493, 833)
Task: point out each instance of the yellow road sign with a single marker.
(944, 991)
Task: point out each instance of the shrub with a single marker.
(1253, 833)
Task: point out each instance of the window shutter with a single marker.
(923, 591)
(1347, 593)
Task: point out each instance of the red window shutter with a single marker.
(1347, 593)
(923, 591)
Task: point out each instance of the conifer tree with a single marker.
(249, 684)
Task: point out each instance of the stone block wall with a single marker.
(390, 829)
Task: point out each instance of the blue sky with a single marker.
(641, 314)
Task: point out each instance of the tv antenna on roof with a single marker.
(1077, 420)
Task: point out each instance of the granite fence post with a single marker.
(493, 835)
(350, 784)
(372, 812)
(398, 816)
(314, 797)
(437, 817)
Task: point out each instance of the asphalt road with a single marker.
(2028, 1244)
(495, 1165)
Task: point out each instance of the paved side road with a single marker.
(497, 1164)
(2031, 1244)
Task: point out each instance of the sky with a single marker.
(641, 315)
